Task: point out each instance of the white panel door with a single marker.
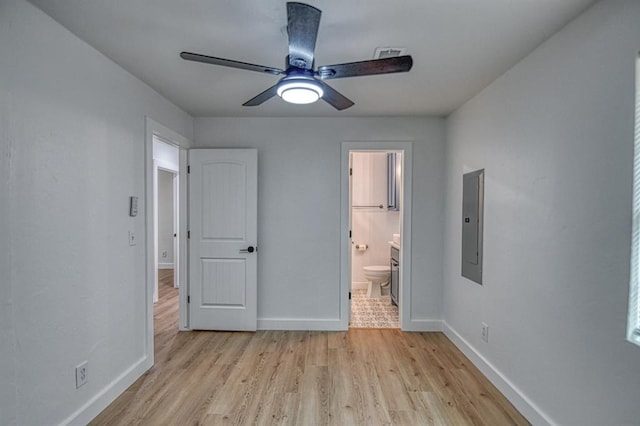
(223, 215)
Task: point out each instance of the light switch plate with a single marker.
(132, 238)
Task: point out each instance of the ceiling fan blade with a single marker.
(302, 26)
(262, 97)
(372, 67)
(229, 63)
(335, 98)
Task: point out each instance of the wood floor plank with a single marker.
(313, 407)
(317, 348)
(359, 377)
(441, 413)
(387, 369)
(348, 389)
(373, 402)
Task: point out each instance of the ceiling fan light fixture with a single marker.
(300, 91)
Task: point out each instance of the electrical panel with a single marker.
(472, 224)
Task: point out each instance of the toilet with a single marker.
(378, 277)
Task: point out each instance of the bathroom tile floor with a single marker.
(372, 313)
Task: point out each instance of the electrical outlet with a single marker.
(82, 374)
(164, 253)
(485, 332)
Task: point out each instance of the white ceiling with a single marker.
(458, 47)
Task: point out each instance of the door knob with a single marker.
(249, 249)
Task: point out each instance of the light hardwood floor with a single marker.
(359, 377)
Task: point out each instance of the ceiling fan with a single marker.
(302, 84)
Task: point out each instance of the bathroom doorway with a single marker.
(376, 180)
(377, 219)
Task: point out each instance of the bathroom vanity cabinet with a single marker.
(395, 275)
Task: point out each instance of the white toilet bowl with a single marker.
(378, 277)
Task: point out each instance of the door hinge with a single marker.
(188, 234)
(349, 295)
(349, 233)
(188, 299)
(188, 169)
(350, 171)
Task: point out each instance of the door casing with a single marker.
(155, 129)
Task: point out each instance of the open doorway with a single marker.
(376, 224)
(167, 252)
(166, 166)
(167, 229)
(166, 151)
(375, 207)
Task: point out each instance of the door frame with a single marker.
(405, 226)
(153, 128)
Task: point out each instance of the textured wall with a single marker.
(555, 136)
(72, 138)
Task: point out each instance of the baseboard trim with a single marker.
(300, 324)
(426, 325)
(336, 325)
(107, 395)
(523, 404)
(165, 265)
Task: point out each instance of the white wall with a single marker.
(165, 218)
(555, 136)
(72, 141)
(371, 226)
(166, 154)
(299, 207)
(8, 398)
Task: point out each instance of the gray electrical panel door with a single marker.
(472, 211)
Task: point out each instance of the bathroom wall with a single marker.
(370, 225)
(165, 219)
